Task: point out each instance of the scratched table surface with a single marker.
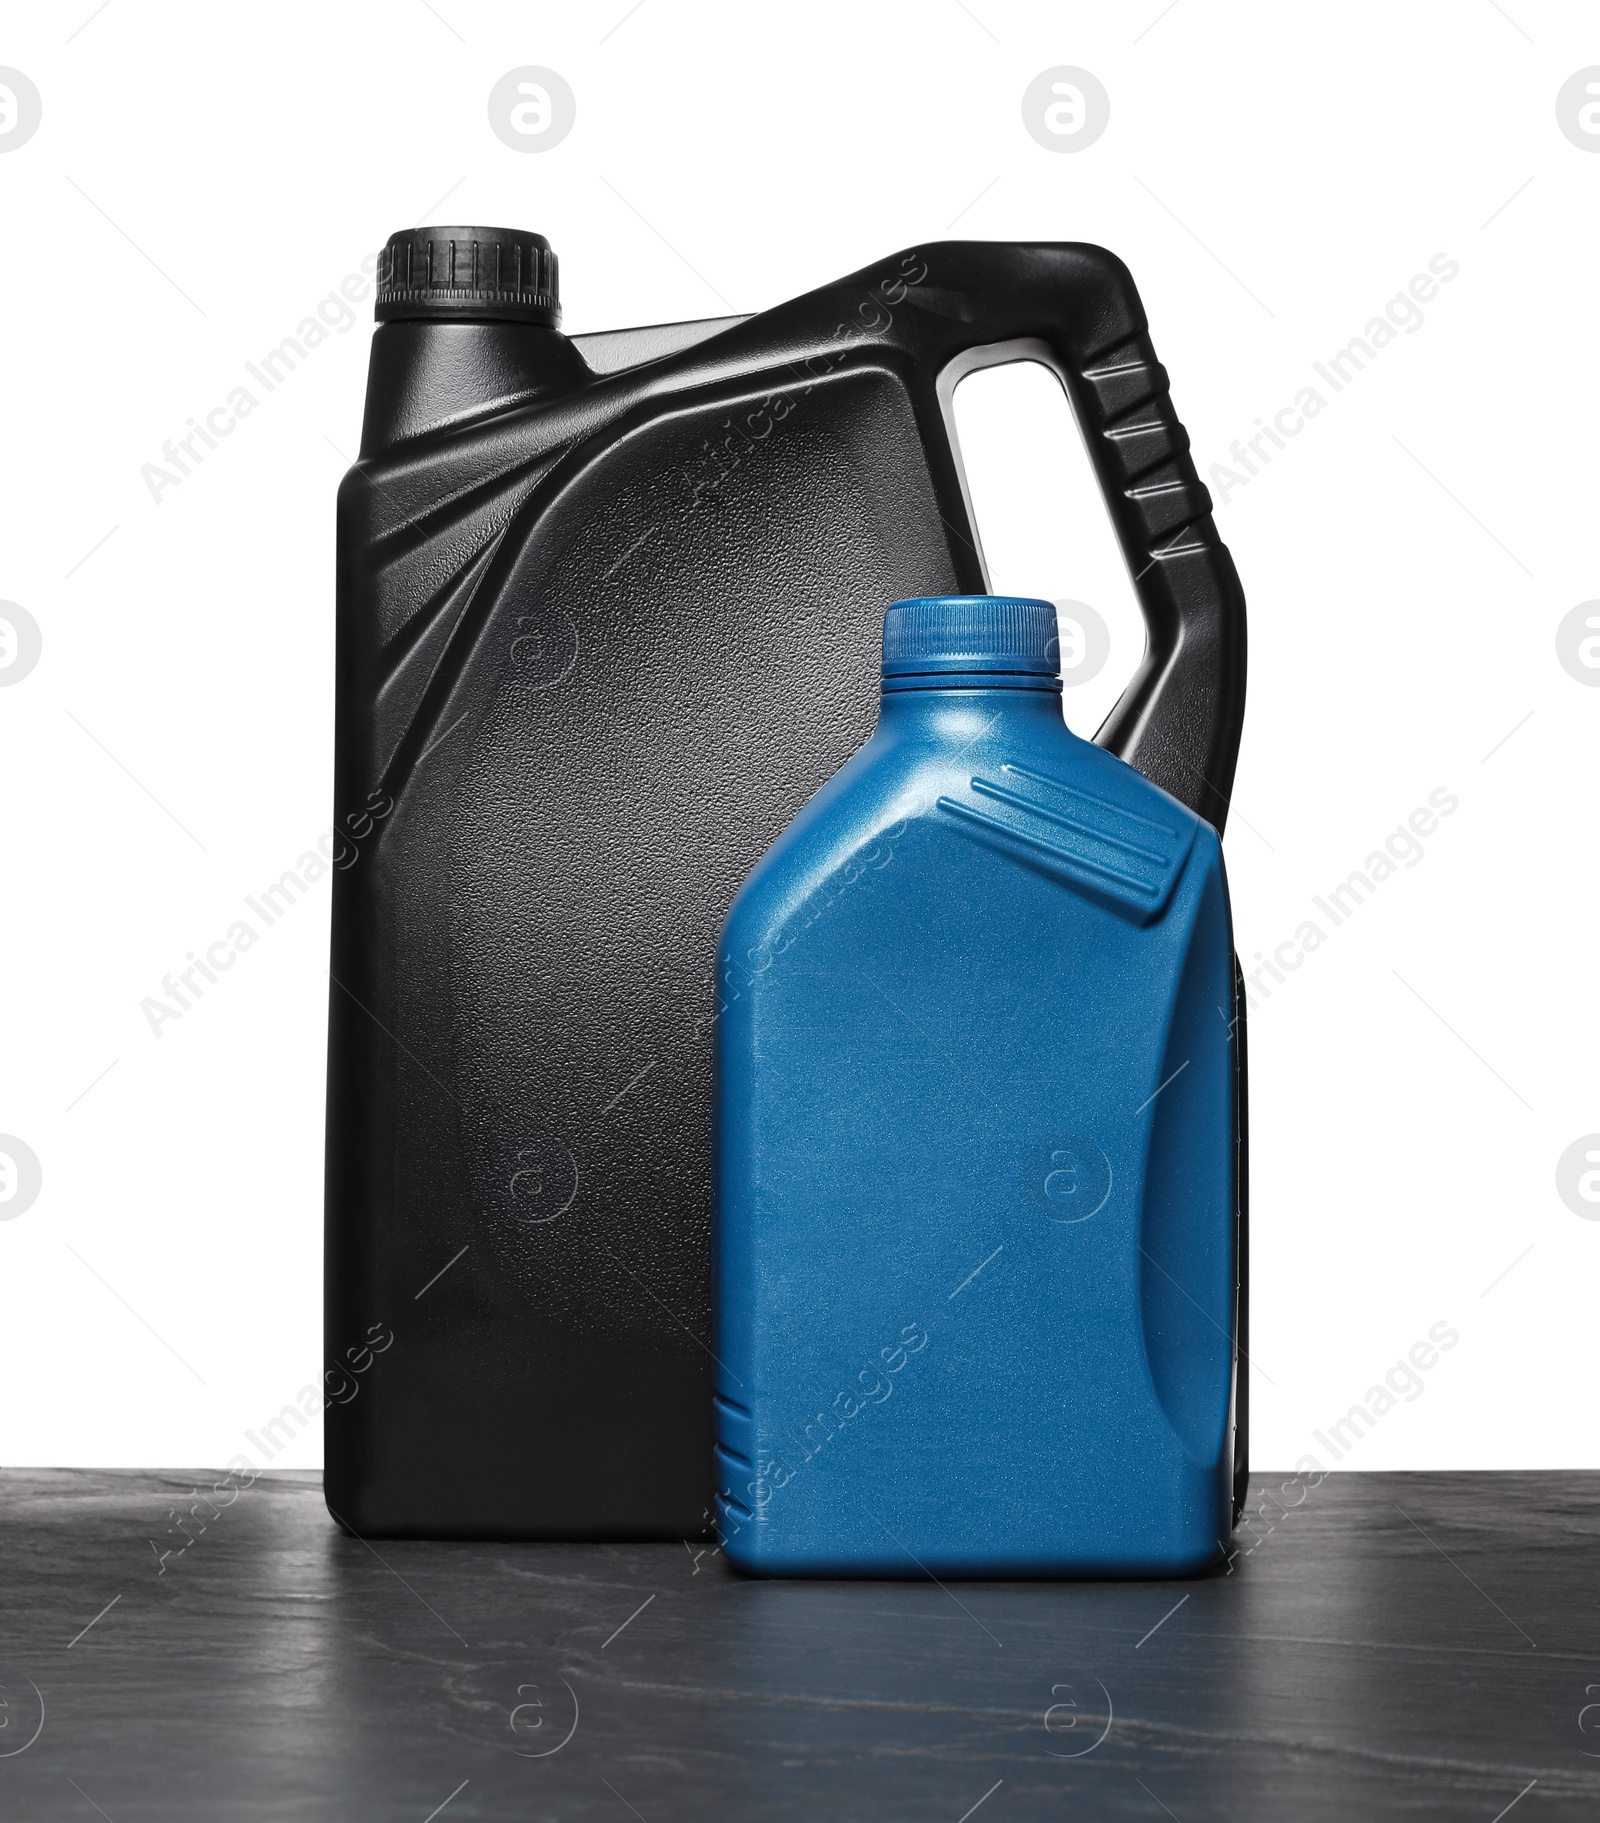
(1381, 1646)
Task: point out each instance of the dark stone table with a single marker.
(1381, 1646)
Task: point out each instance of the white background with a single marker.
(204, 176)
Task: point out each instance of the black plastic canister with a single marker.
(608, 614)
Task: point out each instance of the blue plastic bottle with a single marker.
(975, 1244)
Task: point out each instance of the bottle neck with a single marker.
(960, 712)
(427, 375)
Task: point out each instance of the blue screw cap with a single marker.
(931, 634)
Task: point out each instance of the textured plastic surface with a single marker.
(976, 1212)
(603, 628)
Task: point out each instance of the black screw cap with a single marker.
(472, 274)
